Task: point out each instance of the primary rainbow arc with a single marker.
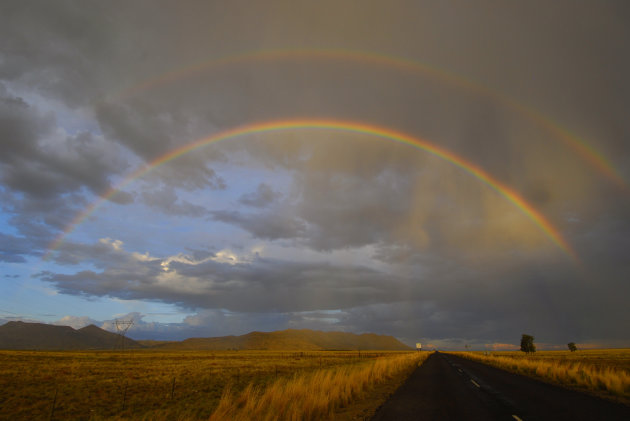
(347, 126)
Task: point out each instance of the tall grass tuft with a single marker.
(313, 396)
(605, 380)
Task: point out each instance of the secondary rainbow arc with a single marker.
(586, 151)
(347, 126)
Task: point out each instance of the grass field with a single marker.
(603, 372)
(178, 385)
(312, 397)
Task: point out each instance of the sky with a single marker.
(453, 173)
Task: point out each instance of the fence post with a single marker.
(52, 410)
(124, 397)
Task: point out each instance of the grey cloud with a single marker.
(59, 50)
(542, 307)
(100, 254)
(269, 225)
(121, 197)
(11, 257)
(429, 311)
(259, 285)
(262, 197)
(427, 303)
(328, 210)
(75, 322)
(20, 127)
(137, 126)
(84, 59)
(82, 162)
(36, 222)
(166, 200)
(13, 249)
(44, 172)
(151, 133)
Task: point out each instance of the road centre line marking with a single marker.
(476, 384)
(516, 418)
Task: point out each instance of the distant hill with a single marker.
(151, 343)
(302, 340)
(40, 336)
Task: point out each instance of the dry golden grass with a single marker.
(314, 396)
(150, 385)
(605, 373)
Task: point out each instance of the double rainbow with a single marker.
(586, 151)
(345, 126)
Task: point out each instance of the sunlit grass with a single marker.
(605, 373)
(312, 396)
(151, 385)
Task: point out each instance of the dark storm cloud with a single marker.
(555, 309)
(45, 172)
(57, 49)
(43, 162)
(82, 162)
(78, 56)
(20, 126)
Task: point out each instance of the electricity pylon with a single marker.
(122, 326)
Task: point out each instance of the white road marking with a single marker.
(476, 384)
(516, 418)
(460, 370)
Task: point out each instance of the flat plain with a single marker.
(174, 385)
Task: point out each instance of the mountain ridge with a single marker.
(290, 339)
(17, 335)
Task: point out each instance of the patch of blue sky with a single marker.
(5, 224)
(239, 181)
(151, 229)
(29, 298)
(143, 229)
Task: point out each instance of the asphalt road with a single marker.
(447, 387)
